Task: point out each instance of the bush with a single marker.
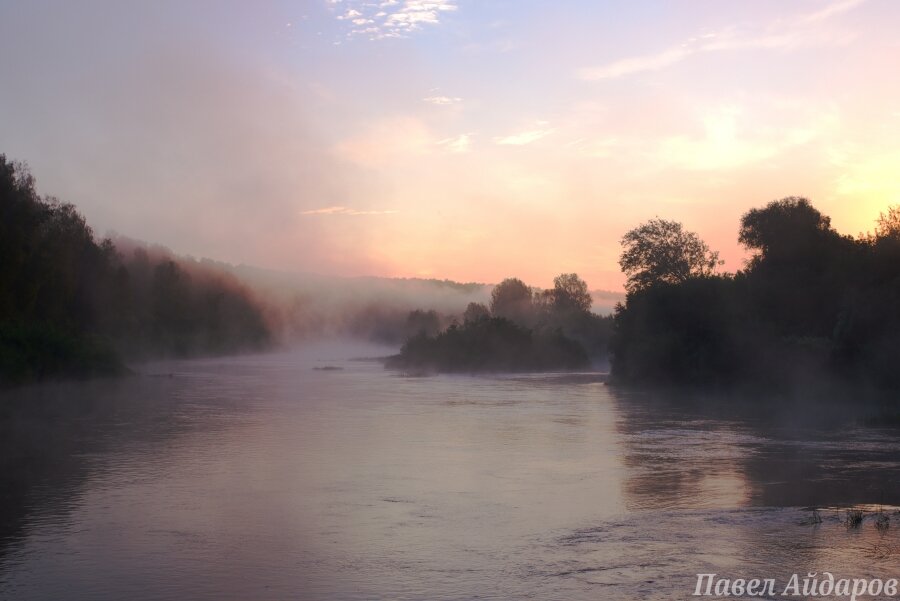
(489, 344)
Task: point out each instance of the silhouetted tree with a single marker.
(888, 225)
(476, 311)
(799, 268)
(811, 304)
(661, 251)
(784, 229)
(544, 329)
(693, 332)
(489, 344)
(511, 299)
(67, 301)
(565, 309)
(542, 305)
(423, 322)
(570, 293)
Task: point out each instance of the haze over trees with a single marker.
(570, 294)
(512, 300)
(76, 305)
(73, 305)
(524, 329)
(475, 311)
(811, 303)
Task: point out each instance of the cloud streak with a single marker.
(795, 33)
(459, 144)
(442, 100)
(637, 64)
(337, 210)
(835, 8)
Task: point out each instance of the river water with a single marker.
(317, 474)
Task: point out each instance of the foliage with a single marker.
(511, 299)
(524, 329)
(661, 251)
(888, 225)
(567, 308)
(784, 229)
(680, 333)
(489, 344)
(391, 325)
(71, 305)
(36, 351)
(811, 304)
(475, 312)
(570, 294)
(801, 267)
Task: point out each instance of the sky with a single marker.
(463, 139)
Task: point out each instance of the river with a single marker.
(317, 474)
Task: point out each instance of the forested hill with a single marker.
(73, 305)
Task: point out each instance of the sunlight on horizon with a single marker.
(451, 139)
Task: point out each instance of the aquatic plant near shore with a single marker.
(854, 518)
(812, 520)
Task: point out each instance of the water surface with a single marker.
(263, 477)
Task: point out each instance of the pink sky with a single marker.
(467, 140)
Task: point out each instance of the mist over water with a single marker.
(444, 300)
(262, 477)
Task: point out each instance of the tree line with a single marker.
(71, 304)
(523, 329)
(809, 304)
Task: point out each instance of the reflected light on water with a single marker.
(262, 477)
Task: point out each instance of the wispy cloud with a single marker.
(523, 138)
(391, 18)
(835, 8)
(344, 211)
(457, 144)
(798, 31)
(637, 64)
(442, 100)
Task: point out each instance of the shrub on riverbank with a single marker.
(490, 344)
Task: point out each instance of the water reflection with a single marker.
(262, 477)
(729, 452)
